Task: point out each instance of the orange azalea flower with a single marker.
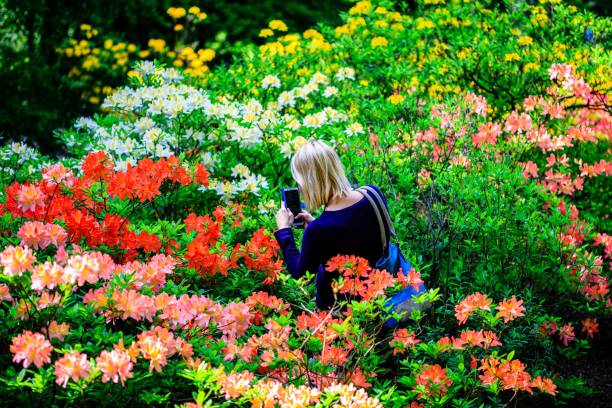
(58, 331)
(260, 253)
(235, 319)
(319, 322)
(471, 303)
(548, 328)
(261, 304)
(590, 326)
(5, 294)
(510, 309)
(46, 299)
(518, 124)
(57, 174)
(73, 365)
(514, 377)
(201, 175)
(334, 355)
(434, 379)
(16, 260)
(403, 340)
(349, 265)
(115, 366)
(234, 385)
(31, 348)
(358, 378)
(487, 132)
(47, 276)
(29, 197)
(491, 370)
(97, 165)
(545, 385)
(155, 351)
(412, 278)
(476, 339)
(530, 169)
(566, 333)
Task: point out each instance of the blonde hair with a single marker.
(317, 169)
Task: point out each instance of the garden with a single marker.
(138, 263)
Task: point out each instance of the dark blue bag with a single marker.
(392, 261)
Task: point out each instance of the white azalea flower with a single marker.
(270, 81)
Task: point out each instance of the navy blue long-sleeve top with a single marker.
(353, 230)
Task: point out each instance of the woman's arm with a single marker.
(298, 262)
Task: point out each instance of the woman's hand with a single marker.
(284, 218)
(306, 217)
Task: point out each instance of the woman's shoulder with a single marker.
(378, 192)
(375, 188)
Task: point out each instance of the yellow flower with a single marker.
(356, 22)
(178, 63)
(381, 24)
(435, 90)
(176, 12)
(397, 27)
(157, 44)
(202, 16)
(108, 43)
(381, 10)
(266, 32)
(277, 25)
(94, 100)
(290, 38)
(292, 47)
(131, 47)
(434, 1)
(178, 27)
(194, 10)
(272, 49)
(196, 63)
(424, 23)
(513, 56)
(464, 53)
(320, 44)
(90, 63)
(362, 7)
(531, 66)
(207, 54)
(379, 42)
(144, 53)
(397, 17)
(395, 99)
(311, 33)
(85, 27)
(525, 40)
(363, 82)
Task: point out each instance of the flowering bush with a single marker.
(98, 63)
(141, 270)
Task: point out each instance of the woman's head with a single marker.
(318, 171)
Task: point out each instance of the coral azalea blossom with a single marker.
(31, 348)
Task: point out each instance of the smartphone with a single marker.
(291, 200)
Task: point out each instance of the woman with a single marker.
(347, 226)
